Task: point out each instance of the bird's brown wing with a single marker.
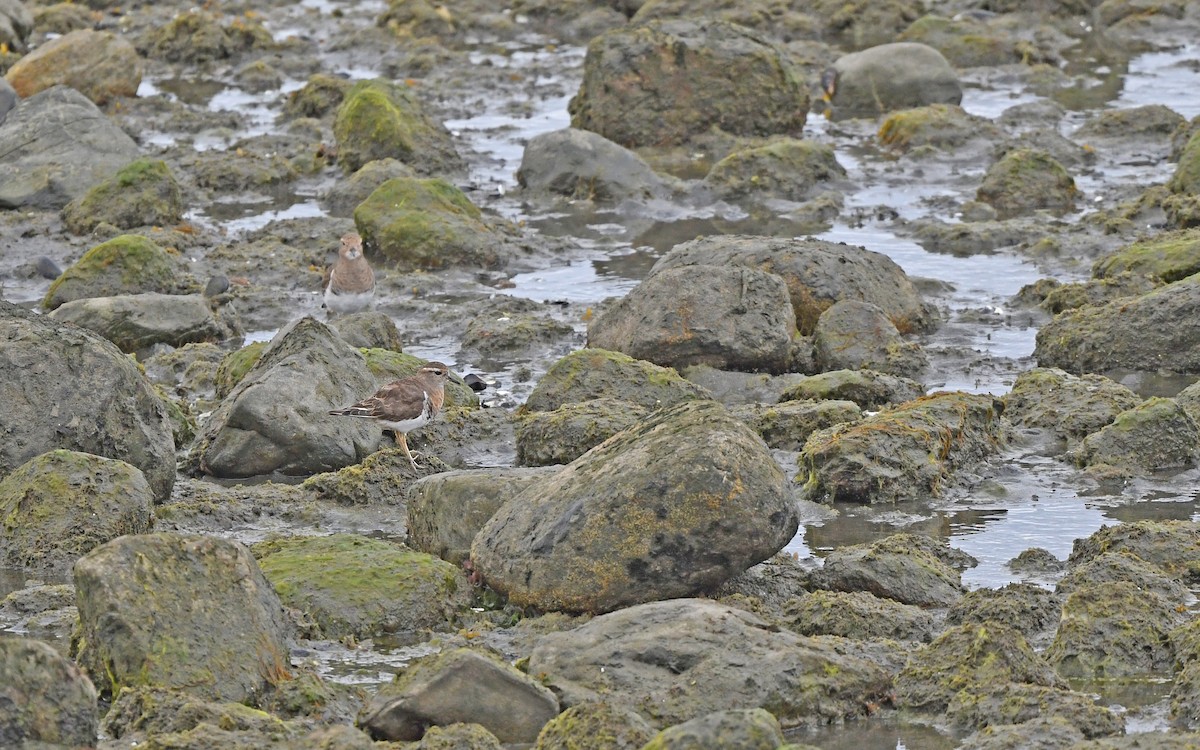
(398, 401)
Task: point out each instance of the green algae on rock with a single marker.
(598, 373)
(905, 453)
(49, 701)
(1025, 180)
(353, 585)
(184, 611)
(427, 224)
(379, 119)
(61, 505)
(127, 264)
(566, 433)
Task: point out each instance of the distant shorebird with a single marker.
(404, 405)
(349, 282)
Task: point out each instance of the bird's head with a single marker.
(351, 248)
(437, 369)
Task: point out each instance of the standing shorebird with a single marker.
(349, 282)
(404, 405)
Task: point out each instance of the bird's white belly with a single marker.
(403, 425)
(347, 303)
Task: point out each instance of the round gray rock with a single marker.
(675, 505)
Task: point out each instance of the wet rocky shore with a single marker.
(640, 232)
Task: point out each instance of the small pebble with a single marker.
(218, 284)
(474, 382)
(47, 268)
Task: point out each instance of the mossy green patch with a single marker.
(235, 366)
(1169, 256)
(356, 585)
(1187, 175)
(425, 223)
(126, 264)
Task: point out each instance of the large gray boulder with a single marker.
(63, 504)
(54, 146)
(46, 697)
(276, 419)
(446, 510)
(889, 77)
(818, 273)
(460, 686)
(676, 505)
(728, 317)
(580, 164)
(1068, 405)
(587, 374)
(138, 321)
(911, 452)
(663, 82)
(676, 660)
(854, 335)
(188, 612)
(897, 567)
(64, 387)
(1140, 333)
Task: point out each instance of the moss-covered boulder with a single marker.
(427, 224)
(235, 365)
(867, 389)
(321, 94)
(199, 36)
(1114, 630)
(446, 510)
(1186, 178)
(352, 585)
(675, 660)
(1173, 546)
(128, 264)
(1025, 180)
(1026, 607)
(977, 707)
(978, 657)
(62, 504)
(379, 119)
(1070, 406)
(788, 425)
(345, 196)
(857, 614)
(652, 513)
(101, 65)
(964, 41)
(598, 725)
(129, 423)
(139, 711)
(1167, 257)
(905, 453)
(597, 373)
(563, 435)
(191, 612)
(509, 329)
(787, 168)
(1137, 333)
(48, 701)
(897, 567)
(1121, 565)
(938, 127)
(749, 729)
(370, 329)
(379, 479)
(1153, 436)
(462, 685)
(663, 82)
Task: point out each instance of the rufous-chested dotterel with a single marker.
(404, 405)
(349, 282)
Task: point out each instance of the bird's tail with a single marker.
(351, 411)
